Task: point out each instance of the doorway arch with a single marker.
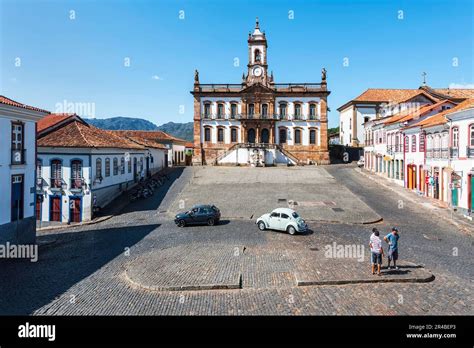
(265, 136)
(251, 135)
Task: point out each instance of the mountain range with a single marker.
(179, 130)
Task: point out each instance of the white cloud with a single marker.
(461, 86)
(156, 77)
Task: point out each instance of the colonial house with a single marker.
(260, 122)
(461, 122)
(17, 171)
(377, 103)
(80, 167)
(176, 154)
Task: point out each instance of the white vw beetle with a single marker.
(282, 219)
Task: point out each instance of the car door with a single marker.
(193, 217)
(201, 216)
(274, 221)
(284, 221)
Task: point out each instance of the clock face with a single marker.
(257, 71)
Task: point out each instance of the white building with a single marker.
(17, 171)
(80, 167)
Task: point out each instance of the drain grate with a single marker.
(281, 200)
(338, 210)
(314, 249)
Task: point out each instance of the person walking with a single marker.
(392, 240)
(376, 250)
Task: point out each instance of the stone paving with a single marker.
(247, 193)
(84, 269)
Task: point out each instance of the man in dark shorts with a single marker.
(376, 251)
(392, 240)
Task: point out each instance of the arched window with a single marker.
(107, 167)
(297, 136)
(312, 111)
(76, 174)
(115, 166)
(207, 110)
(98, 169)
(413, 143)
(282, 136)
(233, 110)
(251, 110)
(264, 110)
(283, 110)
(455, 137)
(220, 110)
(313, 136)
(207, 134)
(129, 165)
(122, 165)
(233, 135)
(297, 111)
(258, 56)
(422, 142)
(56, 173)
(220, 135)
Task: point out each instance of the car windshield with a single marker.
(295, 215)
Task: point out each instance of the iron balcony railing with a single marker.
(470, 151)
(57, 183)
(77, 184)
(18, 156)
(453, 152)
(40, 184)
(438, 153)
(260, 117)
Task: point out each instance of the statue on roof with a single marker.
(196, 76)
(323, 74)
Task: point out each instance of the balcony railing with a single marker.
(40, 184)
(286, 87)
(77, 184)
(438, 153)
(18, 156)
(453, 152)
(57, 184)
(470, 151)
(260, 117)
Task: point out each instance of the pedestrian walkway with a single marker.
(437, 207)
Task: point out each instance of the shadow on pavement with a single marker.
(154, 202)
(27, 286)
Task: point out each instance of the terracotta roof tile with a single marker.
(440, 118)
(150, 135)
(78, 134)
(387, 95)
(51, 120)
(456, 92)
(410, 114)
(8, 101)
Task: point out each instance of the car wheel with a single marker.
(210, 222)
(291, 230)
(181, 223)
(261, 226)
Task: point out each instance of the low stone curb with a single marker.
(377, 279)
(92, 222)
(200, 287)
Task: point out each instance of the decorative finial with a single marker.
(323, 74)
(424, 78)
(271, 76)
(243, 76)
(256, 24)
(196, 76)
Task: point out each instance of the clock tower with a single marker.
(257, 66)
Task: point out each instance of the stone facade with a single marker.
(290, 117)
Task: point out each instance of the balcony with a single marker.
(438, 153)
(57, 184)
(18, 156)
(470, 151)
(453, 152)
(77, 184)
(40, 184)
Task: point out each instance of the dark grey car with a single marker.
(199, 215)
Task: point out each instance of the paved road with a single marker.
(83, 271)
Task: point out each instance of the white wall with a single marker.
(6, 170)
(345, 125)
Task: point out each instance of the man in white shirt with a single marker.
(376, 250)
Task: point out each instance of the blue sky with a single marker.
(82, 60)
